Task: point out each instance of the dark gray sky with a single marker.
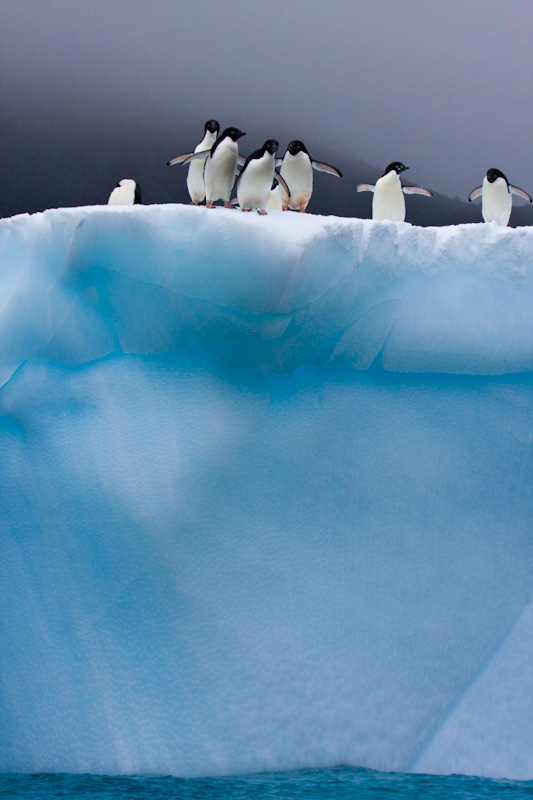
(446, 86)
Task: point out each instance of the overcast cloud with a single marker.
(444, 86)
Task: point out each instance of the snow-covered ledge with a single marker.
(291, 288)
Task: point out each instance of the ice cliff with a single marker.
(265, 493)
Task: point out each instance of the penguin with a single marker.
(297, 170)
(126, 193)
(220, 166)
(274, 200)
(195, 175)
(388, 201)
(255, 180)
(496, 197)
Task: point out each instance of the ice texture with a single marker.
(266, 493)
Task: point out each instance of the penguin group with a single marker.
(263, 181)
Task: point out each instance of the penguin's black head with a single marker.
(395, 166)
(232, 133)
(295, 147)
(494, 174)
(212, 126)
(271, 146)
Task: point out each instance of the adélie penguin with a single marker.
(388, 202)
(297, 170)
(255, 180)
(127, 192)
(496, 197)
(195, 175)
(274, 200)
(220, 166)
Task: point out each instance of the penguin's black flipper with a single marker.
(520, 193)
(186, 158)
(322, 167)
(416, 190)
(475, 193)
(282, 182)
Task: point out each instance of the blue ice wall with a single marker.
(265, 493)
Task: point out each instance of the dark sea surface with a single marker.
(339, 782)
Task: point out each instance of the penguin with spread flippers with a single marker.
(220, 166)
(496, 197)
(195, 176)
(297, 170)
(255, 180)
(127, 192)
(388, 202)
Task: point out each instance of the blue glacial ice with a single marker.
(266, 493)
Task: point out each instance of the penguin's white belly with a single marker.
(122, 196)
(388, 201)
(195, 181)
(253, 190)
(195, 175)
(274, 200)
(298, 174)
(496, 202)
(219, 173)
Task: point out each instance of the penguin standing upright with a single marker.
(126, 193)
(496, 197)
(388, 202)
(255, 181)
(297, 170)
(220, 166)
(195, 176)
(274, 200)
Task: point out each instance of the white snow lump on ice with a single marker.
(266, 493)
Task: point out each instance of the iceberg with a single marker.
(266, 493)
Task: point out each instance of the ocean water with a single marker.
(315, 784)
